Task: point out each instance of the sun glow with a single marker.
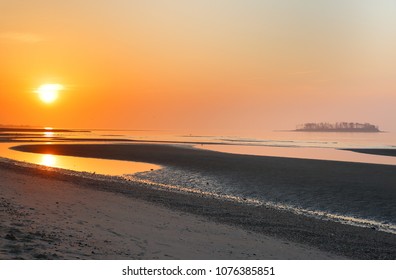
(48, 160)
(48, 93)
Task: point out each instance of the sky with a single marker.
(207, 65)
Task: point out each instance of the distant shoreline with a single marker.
(338, 127)
(330, 131)
(27, 129)
(338, 130)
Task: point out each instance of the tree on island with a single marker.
(338, 127)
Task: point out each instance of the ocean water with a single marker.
(371, 207)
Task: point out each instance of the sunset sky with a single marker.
(198, 65)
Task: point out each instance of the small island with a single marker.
(338, 127)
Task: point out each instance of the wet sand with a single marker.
(335, 239)
(381, 152)
(47, 215)
(354, 189)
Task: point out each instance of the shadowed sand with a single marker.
(336, 239)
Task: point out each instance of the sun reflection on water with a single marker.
(91, 165)
(48, 160)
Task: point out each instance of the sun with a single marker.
(48, 93)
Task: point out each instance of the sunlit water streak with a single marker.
(303, 153)
(93, 165)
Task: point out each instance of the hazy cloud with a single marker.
(30, 38)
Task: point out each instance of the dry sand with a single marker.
(46, 215)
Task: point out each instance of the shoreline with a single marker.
(328, 236)
(47, 214)
(269, 180)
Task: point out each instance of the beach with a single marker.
(349, 190)
(64, 218)
(52, 214)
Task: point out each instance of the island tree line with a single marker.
(339, 126)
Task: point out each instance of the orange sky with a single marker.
(198, 65)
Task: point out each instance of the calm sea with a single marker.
(309, 145)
